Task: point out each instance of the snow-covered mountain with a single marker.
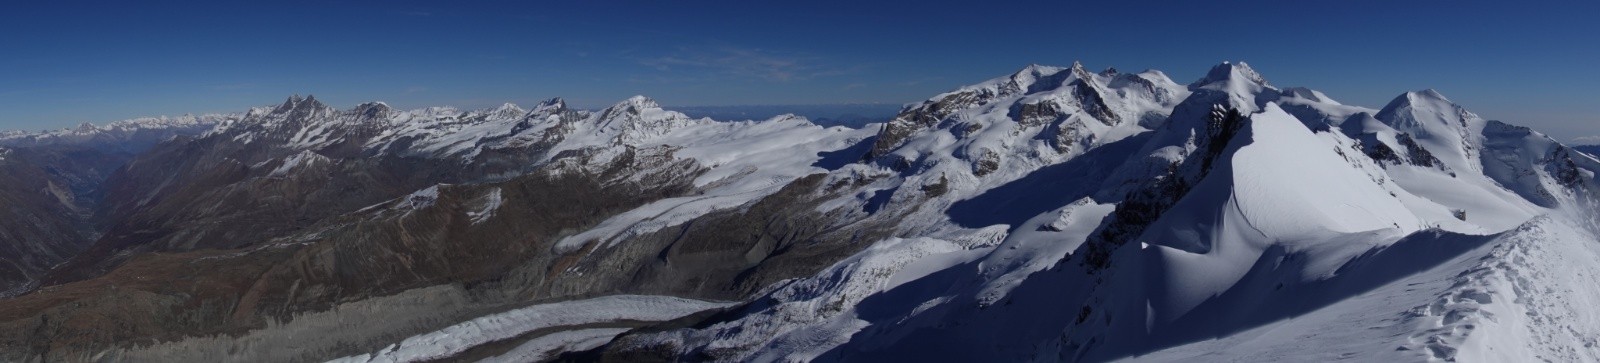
(1249, 212)
(132, 135)
(1053, 214)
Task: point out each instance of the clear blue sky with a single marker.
(63, 62)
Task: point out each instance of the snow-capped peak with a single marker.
(1231, 71)
(507, 110)
(636, 119)
(1447, 129)
(1243, 87)
(634, 109)
(552, 104)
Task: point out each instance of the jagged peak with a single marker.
(295, 102)
(373, 109)
(1077, 67)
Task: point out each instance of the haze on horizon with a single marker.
(65, 63)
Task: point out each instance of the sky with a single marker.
(66, 62)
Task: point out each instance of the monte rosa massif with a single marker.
(1053, 214)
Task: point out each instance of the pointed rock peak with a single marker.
(1079, 71)
(373, 109)
(311, 103)
(1232, 71)
(289, 104)
(1110, 72)
(297, 104)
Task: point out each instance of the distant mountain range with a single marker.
(848, 115)
(1051, 214)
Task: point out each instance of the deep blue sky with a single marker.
(63, 62)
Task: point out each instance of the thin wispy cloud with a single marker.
(749, 63)
(1587, 140)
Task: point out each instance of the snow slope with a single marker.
(1518, 296)
(1281, 188)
